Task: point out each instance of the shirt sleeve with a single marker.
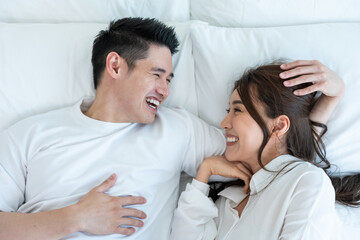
(194, 216)
(311, 212)
(204, 141)
(12, 174)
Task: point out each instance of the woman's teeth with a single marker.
(232, 139)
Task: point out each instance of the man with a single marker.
(51, 162)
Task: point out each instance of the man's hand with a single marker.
(103, 214)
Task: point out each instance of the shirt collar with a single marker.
(259, 180)
(234, 193)
(263, 178)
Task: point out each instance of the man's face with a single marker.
(146, 86)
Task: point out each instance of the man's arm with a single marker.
(322, 78)
(95, 213)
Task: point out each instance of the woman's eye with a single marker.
(235, 110)
(168, 80)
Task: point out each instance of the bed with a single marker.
(45, 51)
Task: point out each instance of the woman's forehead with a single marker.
(234, 96)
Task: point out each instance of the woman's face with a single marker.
(243, 135)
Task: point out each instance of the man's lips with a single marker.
(153, 102)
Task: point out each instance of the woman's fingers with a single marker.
(297, 63)
(219, 165)
(307, 90)
(244, 169)
(312, 78)
(322, 78)
(301, 70)
(246, 176)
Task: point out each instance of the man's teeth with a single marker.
(231, 139)
(155, 103)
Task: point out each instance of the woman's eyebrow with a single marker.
(237, 102)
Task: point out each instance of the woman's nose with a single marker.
(226, 122)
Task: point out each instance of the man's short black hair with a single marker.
(131, 39)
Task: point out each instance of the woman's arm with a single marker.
(219, 165)
(194, 216)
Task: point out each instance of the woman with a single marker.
(273, 131)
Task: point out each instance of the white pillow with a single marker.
(351, 221)
(100, 11)
(182, 87)
(222, 54)
(263, 13)
(47, 66)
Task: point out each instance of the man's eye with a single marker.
(168, 80)
(157, 75)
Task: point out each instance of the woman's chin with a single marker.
(231, 157)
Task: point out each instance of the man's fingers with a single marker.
(107, 184)
(131, 212)
(124, 230)
(131, 200)
(131, 222)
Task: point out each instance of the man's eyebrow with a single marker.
(162, 71)
(237, 102)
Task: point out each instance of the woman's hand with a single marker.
(219, 165)
(322, 78)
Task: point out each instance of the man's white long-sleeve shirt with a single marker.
(298, 204)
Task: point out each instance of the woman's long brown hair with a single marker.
(303, 140)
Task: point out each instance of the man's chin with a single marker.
(148, 120)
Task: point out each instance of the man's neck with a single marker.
(104, 108)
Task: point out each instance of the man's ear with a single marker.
(116, 66)
(282, 125)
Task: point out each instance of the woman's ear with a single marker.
(115, 65)
(282, 125)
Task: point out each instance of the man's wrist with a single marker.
(72, 219)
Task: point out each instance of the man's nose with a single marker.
(163, 88)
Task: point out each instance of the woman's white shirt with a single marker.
(299, 203)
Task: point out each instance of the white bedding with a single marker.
(45, 49)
